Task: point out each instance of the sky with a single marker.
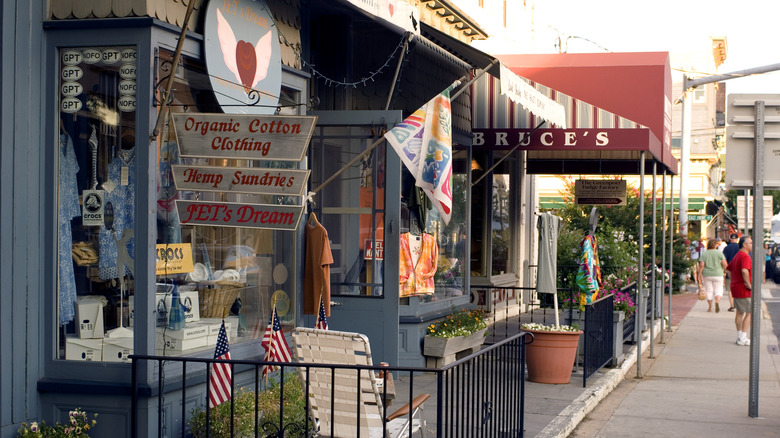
(682, 28)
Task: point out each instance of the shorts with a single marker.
(713, 286)
(742, 304)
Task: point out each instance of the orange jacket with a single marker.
(418, 280)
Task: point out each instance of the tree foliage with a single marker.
(616, 234)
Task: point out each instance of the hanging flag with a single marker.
(322, 321)
(221, 374)
(276, 348)
(589, 273)
(424, 143)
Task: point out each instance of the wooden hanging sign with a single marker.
(233, 214)
(243, 137)
(287, 182)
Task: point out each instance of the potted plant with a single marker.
(460, 331)
(550, 357)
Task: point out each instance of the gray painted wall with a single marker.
(21, 202)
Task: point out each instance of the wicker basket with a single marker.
(217, 301)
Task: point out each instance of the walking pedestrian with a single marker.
(730, 251)
(739, 270)
(712, 268)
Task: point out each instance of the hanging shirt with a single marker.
(68, 200)
(316, 274)
(549, 226)
(417, 278)
(120, 191)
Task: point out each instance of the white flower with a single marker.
(550, 328)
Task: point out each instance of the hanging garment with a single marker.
(417, 279)
(316, 274)
(120, 191)
(68, 200)
(549, 226)
(589, 273)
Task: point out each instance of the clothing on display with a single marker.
(316, 274)
(120, 191)
(589, 273)
(416, 276)
(68, 209)
(549, 227)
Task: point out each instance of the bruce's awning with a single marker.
(597, 140)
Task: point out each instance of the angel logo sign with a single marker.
(93, 205)
(243, 56)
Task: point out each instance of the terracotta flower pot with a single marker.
(550, 357)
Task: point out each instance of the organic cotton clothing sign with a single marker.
(235, 137)
(232, 214)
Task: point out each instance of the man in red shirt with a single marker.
(739, 271)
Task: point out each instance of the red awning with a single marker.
(636, 86)
(599, 139)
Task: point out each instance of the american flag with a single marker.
(221, 375)
(322, 321)
(276, 348)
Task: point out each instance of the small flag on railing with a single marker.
(322, 321)
(221, 375)
(276, 348)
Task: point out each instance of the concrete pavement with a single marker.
(698, 385)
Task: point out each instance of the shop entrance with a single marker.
(360, 209)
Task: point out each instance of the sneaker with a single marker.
(743, 342)
(717, 307)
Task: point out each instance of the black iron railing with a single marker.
(598, 336)
(479, 395)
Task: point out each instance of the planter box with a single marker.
(442, 351)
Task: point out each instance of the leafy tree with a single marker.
(616, 235)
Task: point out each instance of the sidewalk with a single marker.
(553, 411)
(699, 384)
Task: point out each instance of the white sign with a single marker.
(288, 182)
(741, 212)
(740, 153)
(232, 214)
(599, 192)
(520, 91)
(235, 137)
(93, 206)
(396, 12)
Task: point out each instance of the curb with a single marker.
(562, 425)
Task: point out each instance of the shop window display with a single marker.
(437, 251)
(204, 273)
(237, 274)
(96, 200)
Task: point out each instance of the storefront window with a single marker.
(493, 215)
(96, 201)
(351, 207)
(231, 273)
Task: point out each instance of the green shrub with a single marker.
(244, 412)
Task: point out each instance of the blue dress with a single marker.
(123, 199)
(68, 194)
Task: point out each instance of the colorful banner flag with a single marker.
(322, 321)
(424, 143)
(589, 273)
(276, 348)
(221, 374)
